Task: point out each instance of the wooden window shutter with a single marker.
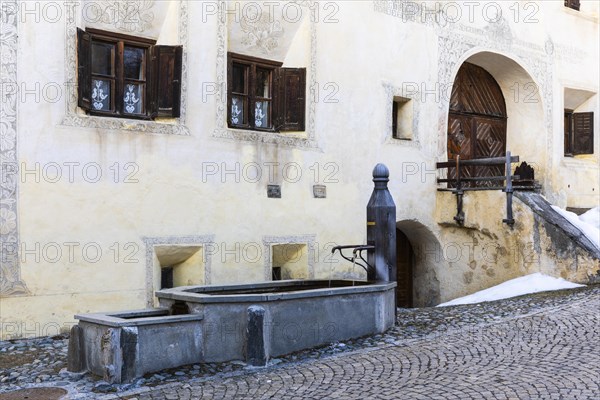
(84, 69)
(574, 4)
(291, 98)
(568, 129)
(583, 133)
(166, 85)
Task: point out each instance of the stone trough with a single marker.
(250, 322)
(258, 321)
(122, 346)
(223, 323)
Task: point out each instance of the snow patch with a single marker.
(587, 223)
(533, 283)
(592, 217)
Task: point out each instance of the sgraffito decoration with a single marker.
(125, 15)
(261, 33)
(265, 37)
(10, 273)
(137, 17)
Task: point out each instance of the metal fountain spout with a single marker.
(381, 233)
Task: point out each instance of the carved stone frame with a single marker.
(150, 242)
(390, 93)
(308, 240)
(10, 272)
(455, 48)
(75, 117)
(308, 140)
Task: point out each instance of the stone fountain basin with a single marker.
(251, 322)
(125, 345)
(297, 314)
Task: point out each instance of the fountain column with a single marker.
(381, 228)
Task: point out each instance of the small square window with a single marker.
(402, 118)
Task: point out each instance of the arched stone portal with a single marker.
(419, 256)
(527, 126)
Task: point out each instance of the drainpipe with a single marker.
(381, 228)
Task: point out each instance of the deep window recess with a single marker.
(402, 118)
(166, 278)
(574, 4)
(128, 77)
(262, 95)
(579, 133)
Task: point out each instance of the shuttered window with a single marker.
(262, 95)
(579, 133)
(574, 4)
(128, 77)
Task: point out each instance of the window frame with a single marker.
(402, 109)
(571, 122)
(121, 41)
(250, 65)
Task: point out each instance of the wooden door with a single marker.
(476, 121)
(490, 141)
(405, 259)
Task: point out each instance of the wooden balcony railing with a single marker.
(460, 180)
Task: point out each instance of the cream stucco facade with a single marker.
(93, 207)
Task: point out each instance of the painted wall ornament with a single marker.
(261, 32)
(124, 15)
(10, 278)
(499, 32)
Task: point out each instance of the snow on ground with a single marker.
(588, 223)
(515, 287)
(591, 217)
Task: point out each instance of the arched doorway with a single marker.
(405, 261)
(418, 263)
(477, 121)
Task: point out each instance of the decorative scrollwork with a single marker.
(10, 279)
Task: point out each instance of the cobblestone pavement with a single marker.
(543, 346)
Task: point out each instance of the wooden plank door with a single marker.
(476, 121)
(405, 259)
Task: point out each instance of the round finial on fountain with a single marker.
(381, 174)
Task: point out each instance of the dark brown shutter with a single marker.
(574, 4)
(568, 126)
(166, 82)
(84, 69)
(583, 133)
(291, 98)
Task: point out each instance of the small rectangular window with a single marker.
(126, 76)
(402, 118)
(578, 133)
(264, 96)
